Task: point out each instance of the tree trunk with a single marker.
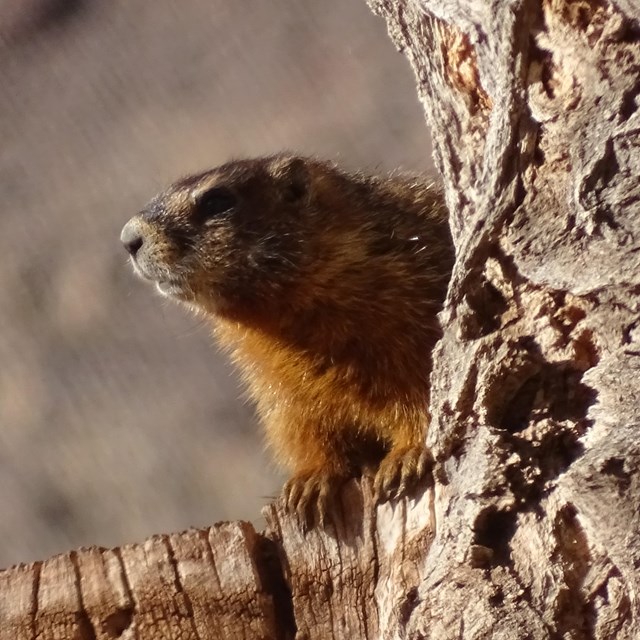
(531, 528)
(536, 416)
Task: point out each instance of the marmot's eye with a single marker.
(215, 201)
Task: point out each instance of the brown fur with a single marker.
(324, 286)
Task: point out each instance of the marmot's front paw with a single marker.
(400, 470)
(309, 495)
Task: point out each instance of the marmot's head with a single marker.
(228, 238)
(283, 236)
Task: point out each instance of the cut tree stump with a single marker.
(531, 527)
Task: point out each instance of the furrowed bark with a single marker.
(534, 112)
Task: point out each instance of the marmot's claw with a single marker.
(309, 496)
(399, 472)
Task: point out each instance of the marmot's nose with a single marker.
(131, 237)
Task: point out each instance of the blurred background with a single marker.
(118, 418)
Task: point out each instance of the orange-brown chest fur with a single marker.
(302, 396)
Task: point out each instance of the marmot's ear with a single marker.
(294, 175)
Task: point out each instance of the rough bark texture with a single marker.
(534, 111)
(215, 583)
(531, 528)
(356, 579)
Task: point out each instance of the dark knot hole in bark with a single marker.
(494, 529)
(482, 310)
(555, 392)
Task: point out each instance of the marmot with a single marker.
(324, 285)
